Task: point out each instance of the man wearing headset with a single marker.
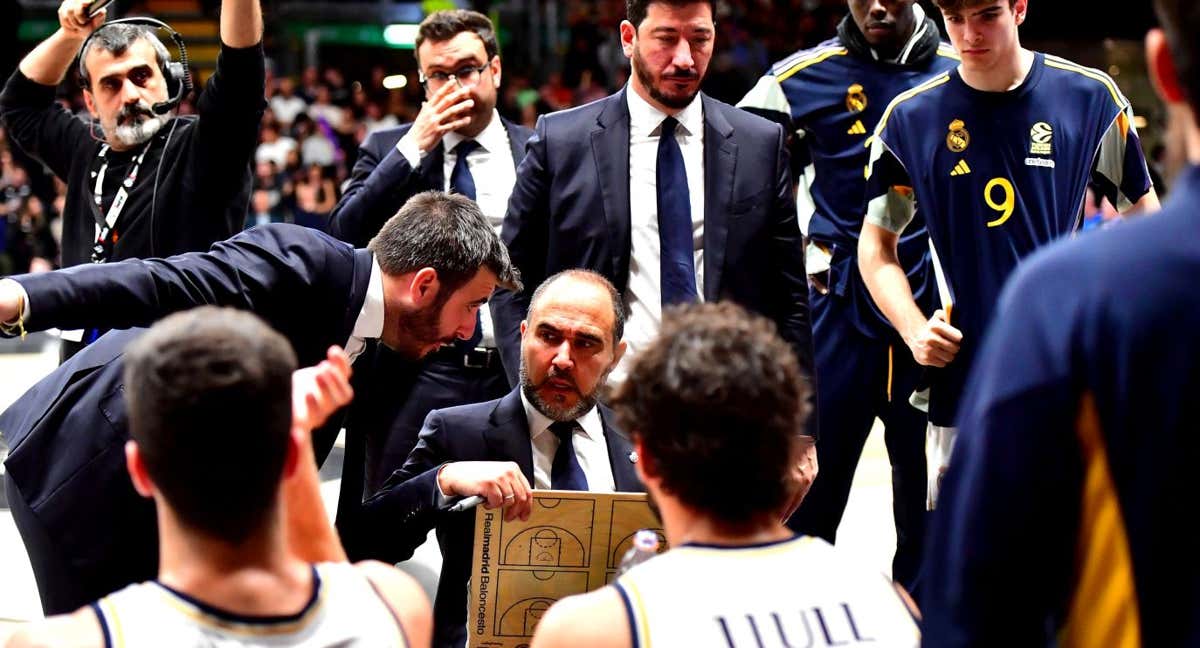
(141, 182)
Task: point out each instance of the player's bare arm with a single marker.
(595, 620)
(933, 341)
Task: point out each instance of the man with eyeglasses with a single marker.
(458, 143)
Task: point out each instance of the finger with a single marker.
(338, 358)
(452, 111)
(453, 126)
(449, 94)
(943, 345)
(945, 330)
(491, 493)
(939, 315)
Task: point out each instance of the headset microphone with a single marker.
(175, 73)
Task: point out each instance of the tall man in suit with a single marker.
(549, 432)
(458, 143)
(671, 195)
(416, 286)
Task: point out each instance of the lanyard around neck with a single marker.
(106, 223)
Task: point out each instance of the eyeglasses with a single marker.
(466, 75)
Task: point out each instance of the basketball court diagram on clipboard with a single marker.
(572, 543)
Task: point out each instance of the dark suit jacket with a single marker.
(570, 209)
(67, 437)
(67, 433)
(383, 181)
(401, 514)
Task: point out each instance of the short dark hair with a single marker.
(1180, 20)
(443, 25)
(959, 5)
(116, 39)
(636, 10)
(618, 304)
(718, 392)
(446, 232)
(210, 407)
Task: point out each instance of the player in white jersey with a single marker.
(243, 539)
(716, 407)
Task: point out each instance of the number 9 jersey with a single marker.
(996, 175)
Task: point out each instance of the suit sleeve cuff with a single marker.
(408, 148)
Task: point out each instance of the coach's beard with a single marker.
(136, 124)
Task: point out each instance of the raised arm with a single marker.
(241, 23)
(317, 392)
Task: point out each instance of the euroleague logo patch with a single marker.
(958, 139)
(1041, 138)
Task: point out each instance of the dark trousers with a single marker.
(441, 380)
(852, 390)
(63, 586)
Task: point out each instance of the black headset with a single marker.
(177, 75)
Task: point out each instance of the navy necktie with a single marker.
(566, 473)
(678, 263)
(462, 182)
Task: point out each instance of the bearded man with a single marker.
(141, 182)
(669, 194)
(548, 433)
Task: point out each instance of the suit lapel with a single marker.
(720, 164)
(620, 453)
(610, 150)
(515, 141)
(507, 435)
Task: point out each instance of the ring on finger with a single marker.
(510, 496)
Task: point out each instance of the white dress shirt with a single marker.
(591, 449)
(369, 324)
(492, 169)
(644, 292)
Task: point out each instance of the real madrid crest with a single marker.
(856, 98)
(958, 139)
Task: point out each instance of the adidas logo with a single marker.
(960, 169)
(857, 128)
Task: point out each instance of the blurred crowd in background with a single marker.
(319, 114)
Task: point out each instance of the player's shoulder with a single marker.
(1065, 75)
(597, 618)
(928, 94)
(803, 59)
(80, 629)
(947, 57)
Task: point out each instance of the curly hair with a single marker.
(717, 393)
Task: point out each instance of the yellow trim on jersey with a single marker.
(1063, 64)
(948, 51)
(642, 619)
(110, 615)
(891, 369)
(905, 96)
(810, 61)
(1104, 608)
(253, 629)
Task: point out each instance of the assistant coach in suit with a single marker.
(415, 288)
(665, 191)
(549, 432)
(459, 143)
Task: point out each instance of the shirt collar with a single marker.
(370, 319)
(539, 423)
(492, 139)
(645, 119)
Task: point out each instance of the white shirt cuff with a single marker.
(408, 148)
